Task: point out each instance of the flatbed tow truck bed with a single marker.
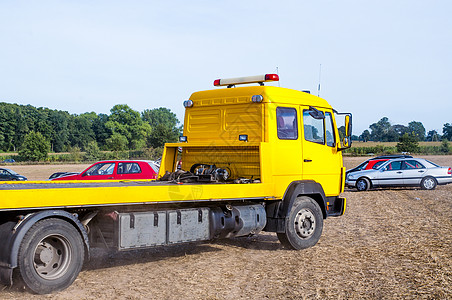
(45, 194)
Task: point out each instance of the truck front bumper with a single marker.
(336, 207)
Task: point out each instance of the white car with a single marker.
(401, 172)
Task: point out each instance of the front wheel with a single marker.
(50, 256)
(303, 226)
(362, 184)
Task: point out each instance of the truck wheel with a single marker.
(50, 256)
(303, 226)
(428, 183)
(362, 184)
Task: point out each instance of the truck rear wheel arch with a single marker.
(12, 239)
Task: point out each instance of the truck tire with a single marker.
(50, 256)
(428, 183)
(303, 225)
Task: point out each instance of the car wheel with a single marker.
(303, 226)
(362, 184)
(50, 256)
(428, 183)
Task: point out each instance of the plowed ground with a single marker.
(391, 243)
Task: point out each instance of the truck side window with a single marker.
(329, 132)
(313, 129)
(286, 119)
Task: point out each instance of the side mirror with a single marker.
(348, 126)
(344, 124)
(346, 142)
(84, 174)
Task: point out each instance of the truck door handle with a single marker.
(308, 160)
(110, 177)
(399, 172)
(421, 171)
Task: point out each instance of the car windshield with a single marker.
(12, 172)
(377, 164)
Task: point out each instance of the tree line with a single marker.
(384, 131)
(122, 129)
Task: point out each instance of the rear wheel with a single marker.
(428, 183)
(50, 256)
(362, 184)
(303, 226)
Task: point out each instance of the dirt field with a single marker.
(390, 244)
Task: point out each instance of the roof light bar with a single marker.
(245, 80)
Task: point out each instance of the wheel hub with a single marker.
(304, 223)
(44, 253)
(361, 185)
(429, 183)
(52, 257)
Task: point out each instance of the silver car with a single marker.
(401, 172)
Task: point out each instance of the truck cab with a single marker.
(263, 135)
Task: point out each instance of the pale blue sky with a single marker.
(379, 58)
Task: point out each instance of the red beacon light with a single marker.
(230, 82)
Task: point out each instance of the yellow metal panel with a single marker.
(76, 197)
(224, 123)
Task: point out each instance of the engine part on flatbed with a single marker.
(209, 173)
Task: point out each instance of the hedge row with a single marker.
(383, 150)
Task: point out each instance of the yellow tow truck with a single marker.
(251, 158)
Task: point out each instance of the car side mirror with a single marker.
(84, 174)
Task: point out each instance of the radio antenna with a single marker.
(277, 72)
(320, 74)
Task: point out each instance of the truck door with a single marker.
(321, 160)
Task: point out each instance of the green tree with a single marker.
(445, 147)
(117, 142)
(35, 147)
(162, 134)
(432, 136)
(101, 132)
(408, 143)
(382, 131)
(158, 116)
(365, 136)
(81, 130)
(400, 129)
(417, 129)
(164, 125)
(92, 151)
(127, 122)
(447, 131)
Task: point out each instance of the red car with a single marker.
(117, 170)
